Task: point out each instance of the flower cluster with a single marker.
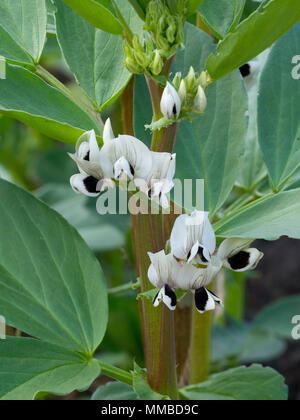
(194, 262)
(122, 158)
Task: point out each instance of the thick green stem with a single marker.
(200, 347)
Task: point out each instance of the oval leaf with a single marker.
(52, 286)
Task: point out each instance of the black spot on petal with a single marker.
(174, 110)
(90, 184)
(201, 255)
(171, 294)
(201, 299)
(239, 261)
(87, 156)
(132, 170)
(245, 70)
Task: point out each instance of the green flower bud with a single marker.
(182, 92)
(200, 102)
(177, 80)
(190, 80)
(157, 64)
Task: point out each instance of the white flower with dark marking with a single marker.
(193, 238)
(162, 175)
(170, 104)
(128, 158)
(92, 166)
(167, 274)
(237, 255)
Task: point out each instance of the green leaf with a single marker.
(222, 16)
(252, 36)
(90, 225)
(277, 317)
(192, 6)
(211, 145)
(279, 96)
(142, 388)
(114, 391)
(255, 383)
(28, 367)
(269, 219)
(11, 50)
(29, 99)
(25, 23)
(52, 286)
(99, 13)
(98, 66)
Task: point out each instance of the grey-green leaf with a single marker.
(269, 219)
(222, 16)
(255, 383)
(114, 391)
(25, 21)
(252, 36)
(28, 367)
(277, 318)
(52, 286)
(29, 99)
(98, 66)
(278, 109)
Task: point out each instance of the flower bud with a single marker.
(182, 91)
(200, 102)
(157, 64)
(177, 80)
(190, 80)
(170, 104)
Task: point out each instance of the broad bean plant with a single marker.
(182, 126)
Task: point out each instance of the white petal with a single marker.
(123, 169)
(162, 264)
(94, 148)
(167, 296)
(178, 238)
(84, 151)
(170, 104)
(209, 237)
(108, 133)
(194, 252)
(84, 184)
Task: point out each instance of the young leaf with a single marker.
(29, 99)
(52, 286)
(99, 13)
(240, 384)
(270, 219)
(252, 36)
(114, 391)
(98, 66)
(222, 16)
(278, 109)
(25, 22)
(28, 367)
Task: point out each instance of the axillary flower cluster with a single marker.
(123, 158)
(194, 262)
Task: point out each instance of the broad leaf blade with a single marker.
(193, 5)
(255, 34)
(29, 99)
(51, 284)
(26, 23)
(270, 219)
(29, 366)
(98, 66)
(277, 318)
(241, 384)
(222, 16)
(98, 13)
(278, 109)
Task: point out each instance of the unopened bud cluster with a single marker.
(166, 27)
(191, 91)
(163, 35)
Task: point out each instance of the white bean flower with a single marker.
(92, 166)
(237, 255)
(170, 104)
(167, 274)
(193, 238)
